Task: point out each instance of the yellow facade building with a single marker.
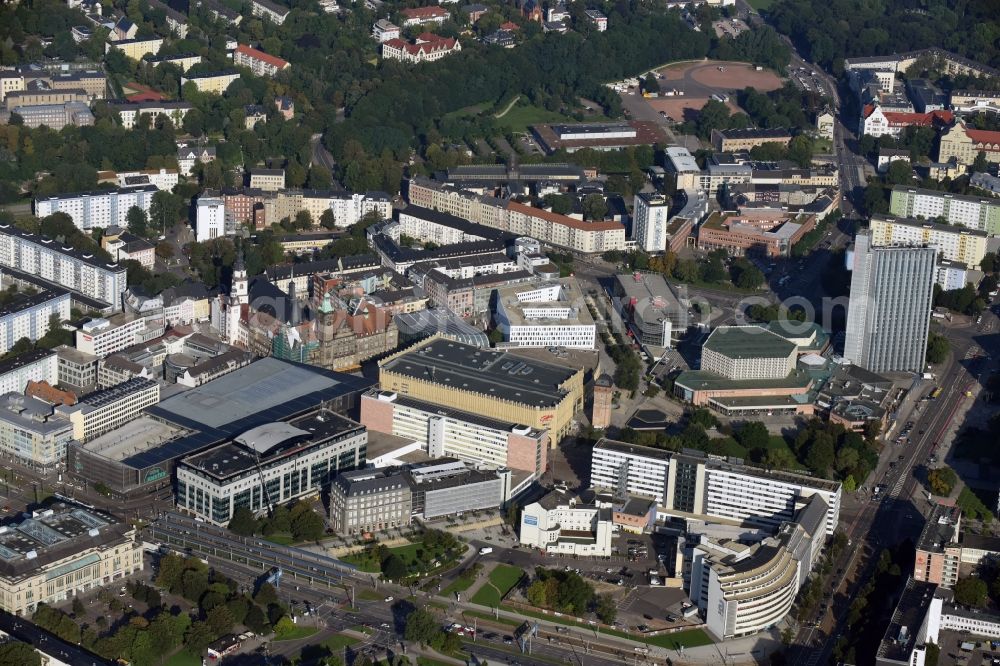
(494, 383)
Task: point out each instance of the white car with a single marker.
(388, 599)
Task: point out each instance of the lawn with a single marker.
(491, 618)
(407, 553)
(502, 579)
(760, 4)
(370, 595)
(184, 658)
(460, 585)
(298, 633)
(338, 642)
(519, 117)
(281, 539)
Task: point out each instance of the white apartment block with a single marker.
(161, 179)
(979, 213)
(548, 315)
(961, 244)
(29, 317)
(34, 366)
(353, 208)
(101, 337)
(270, 11)
(436, 227)
(382, 31)
(105, 410)
(130, 112)
(64, 266)
(709, 487)
(98, 209)
(765, 498)
(650, 216)
(210, 219)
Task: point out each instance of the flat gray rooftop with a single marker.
(468, 368)
(246, 392)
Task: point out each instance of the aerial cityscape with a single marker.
(526, 332)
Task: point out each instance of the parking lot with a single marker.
(952, 652)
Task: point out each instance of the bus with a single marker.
(935, 393)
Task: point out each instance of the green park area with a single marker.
(434, 550)
(501, 580)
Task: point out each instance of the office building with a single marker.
(61, 552)
(54, 116)
(497, 384)
(651, 309)
(748, 352)
(565, 525)
(551, 314)
(98, 209)
(770, 233)
(889, 313)
(938, 552)
(77, 271)
(107, 409)
(744, 589)
(426, 47)
(650, 216)
(682, 165)
(210, 218)
(370, 500)
(953, 243)
(447, 487)
(692, 483)
(38, 365)
(269, 464)
(31, 433)
(468, 436)
(77, 370)
(101, 337)
(29, 316)
(979, 213)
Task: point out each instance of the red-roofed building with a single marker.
(424, 15)
(876, 122)
(260, 63)
(428, 47)
(143, 93)
(510, 25)
(963, 145)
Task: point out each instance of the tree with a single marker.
(393, 568)
(137, 221)
(420, 627)
(243, 522)
(284, 626)
(594, 207)
(980, 164)
(650, 84)
(164, 250)
(938, 348)
(821, 454)
(327, 220)
(16, 653)
(197, 638)
(319, 177)
(606, 609)
(220, 620)
(307, 525)
(899, 172)
(971, 591)
(704, 418)
(753, 435)
(850, 485)
(942, 481)
(750, 278)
